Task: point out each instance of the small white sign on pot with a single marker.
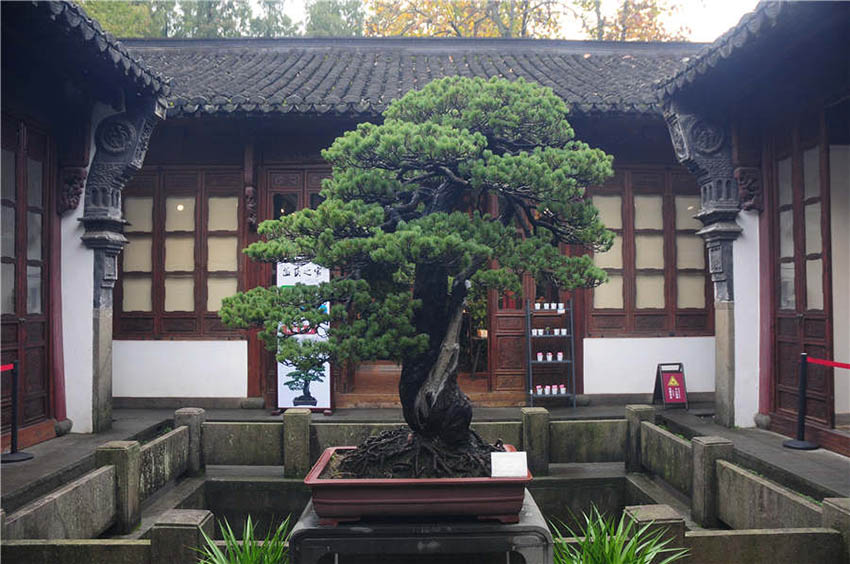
(508, 465)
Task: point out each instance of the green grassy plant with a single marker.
(273, 549)
(603, 541)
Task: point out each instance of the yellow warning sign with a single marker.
(672, 382)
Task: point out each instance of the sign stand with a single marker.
(670, 386)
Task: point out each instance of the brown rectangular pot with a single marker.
(336, 500)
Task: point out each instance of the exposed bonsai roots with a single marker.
(400, 453)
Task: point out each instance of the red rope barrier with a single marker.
(6, 367)
(829, 363)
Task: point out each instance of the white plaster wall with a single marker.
(745, 268)
(77, 329)
(180, 369)
(839, 172)
(627, 366)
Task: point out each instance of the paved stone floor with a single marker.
(818, 473)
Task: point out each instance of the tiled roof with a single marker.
(360, 76)
(74, 22)
(782, 19)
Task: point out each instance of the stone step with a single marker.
(659, 491)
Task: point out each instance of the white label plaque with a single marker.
(508, 465)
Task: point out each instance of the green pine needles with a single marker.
(602, 540)
(466, 186)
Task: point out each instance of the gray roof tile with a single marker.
(361, 76)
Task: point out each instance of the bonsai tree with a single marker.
(404, 230)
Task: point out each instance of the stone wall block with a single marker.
(706, 452)
(535, 439)
(836, 515)
(125, 456)
(193, 418)
(176, 535)
(296, 442)
(658, 517)
(635, 414)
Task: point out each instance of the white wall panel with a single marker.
(202, 369)
(627, 366)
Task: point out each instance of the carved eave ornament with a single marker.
(121, 142)
(703, 145)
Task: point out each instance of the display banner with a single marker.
(293, 388)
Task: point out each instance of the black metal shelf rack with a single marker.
(566, 318)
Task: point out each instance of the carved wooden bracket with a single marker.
(749, 188)
(73, 182)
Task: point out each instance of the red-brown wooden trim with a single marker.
(31, 434)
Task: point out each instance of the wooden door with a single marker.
(802, 269)
(24, 262)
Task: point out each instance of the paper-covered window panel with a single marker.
(613, 257)
(7, 215)
(811, 173)
(137, 254)
(137, 294)
(783, 180)
(180, 213)
(222, 254)
(610, 210)
(690, 251)
(7, 287)
(179, 253)
(610, 294)
(34, 235)
(686, 208)
(690, 291)
(814, 284)
(787, 297)
(219, 288)
(34, 289)
(223, 214)
(786, 233)
(649, 291)
(8, 176)
(35, 176)
(814, 243)
(138, 211)
(649, 251)
(648, 212)
(179, 293)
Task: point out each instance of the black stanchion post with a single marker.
(13, 455)
(800, 443)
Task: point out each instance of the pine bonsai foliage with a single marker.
(403, 229)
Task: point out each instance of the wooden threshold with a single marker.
(836, 440)
(31, 435)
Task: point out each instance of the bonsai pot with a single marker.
(336, 500)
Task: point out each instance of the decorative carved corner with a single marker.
(749, 188)
(73, 182)
(251, 206)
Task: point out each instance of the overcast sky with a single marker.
(707, 19)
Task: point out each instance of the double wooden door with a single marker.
(24, 263)
(801, 259)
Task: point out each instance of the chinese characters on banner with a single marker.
(670, 387)
(316, 394)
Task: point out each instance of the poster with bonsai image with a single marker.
(304, 386)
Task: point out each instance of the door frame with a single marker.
(783, 420)
(41, 428)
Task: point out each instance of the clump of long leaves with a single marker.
(273, 549)
(603, 541)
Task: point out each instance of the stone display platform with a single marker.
(433, 541)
